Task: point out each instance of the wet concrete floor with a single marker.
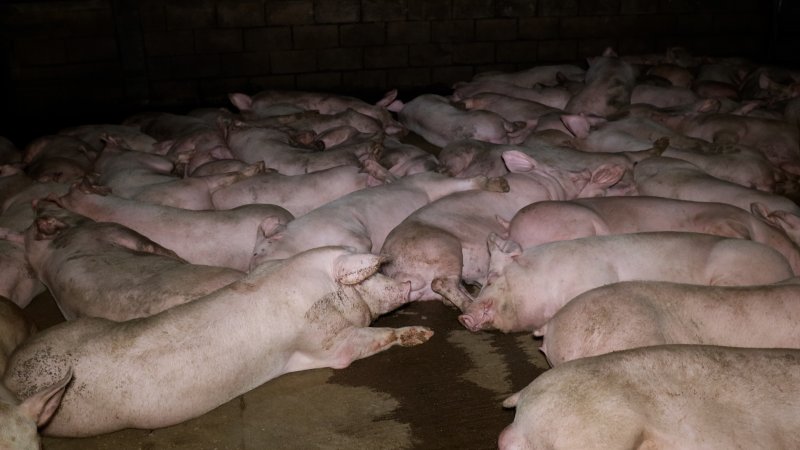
(444, 394)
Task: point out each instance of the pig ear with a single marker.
(607, 175)
(41, 406)
(512, 401)
(506, 224)
(387, 99)
(508, 247)
(519, 162)
(271, 227)
(242, 101)
(577, 124)
(354, 268)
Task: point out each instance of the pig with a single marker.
(442, 243)
(679, 179)
(362, 219)
(668, 396)
(550, 221)
(658, 313)
(147, 178)
(103, 269)
(19, 420)
(275, 148)
(220, 166)
(58, 158)
(300, 194)
(735, 163)
(17, 214)
(402, 159)
(525, 288)
(676, 75)
(12, 181)
(306, 312)
(96, 136)
(259, 105)
(439, 121)
(553, 97)
(18, 281)
(662, 96)
(193, 235)
(547, 75)
(471, 158)
(510, 108)
(609, 83)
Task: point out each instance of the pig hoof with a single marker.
(410, 336)
(497, 184)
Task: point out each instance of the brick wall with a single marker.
(74, 61)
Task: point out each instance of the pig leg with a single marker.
(354, 343)
(452, 290)
(358, 343)
(226, 179)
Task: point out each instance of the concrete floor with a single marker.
(444, 394)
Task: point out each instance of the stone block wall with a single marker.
(71, 61)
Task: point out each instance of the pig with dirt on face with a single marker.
(306, 312)
(526, 288)
(670, 396)
(658, 313)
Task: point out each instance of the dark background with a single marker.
(71, 62)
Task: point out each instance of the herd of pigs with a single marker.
(636, 214)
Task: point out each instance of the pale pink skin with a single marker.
(678, 179)
(549, 221)
(17, 280)
(672, 396)
(259, 104)
(442, 243)
(662, 96)
(547, 75)
(96, 136)
(299, 194)
(554, 97)
(12, 181)
(609, 83)
(17, 213)
(471, 158)
(58, 158)
(526, 288)
(511, 108)
(96, 269)
(21, 419)
(193, 235)
(276, 149)
(307, 312)
(735, 163)
(219, 166)
(644, 313)
(677, 75)
(361, 219)
(403, 159)
(440, 122)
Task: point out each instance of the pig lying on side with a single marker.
(103, 269)
(306, 312)
(665, 397)
(645, 313)
(18, 420)
(550, 221)
(526, 288)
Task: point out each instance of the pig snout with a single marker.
(511, 439)
(477, 316)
